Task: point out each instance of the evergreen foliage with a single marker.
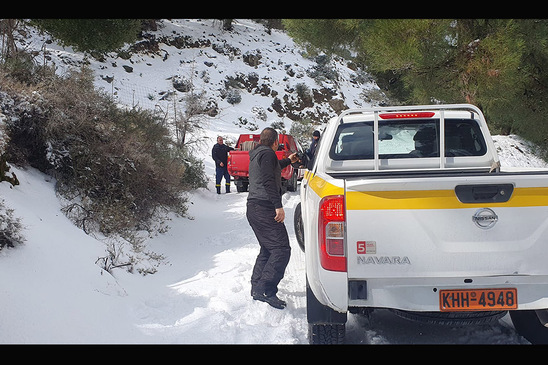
(92, 35)
(11, 228)
(497, 64)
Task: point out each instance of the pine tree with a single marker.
(500, 65)
(88, 35)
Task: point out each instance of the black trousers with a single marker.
(275, 250)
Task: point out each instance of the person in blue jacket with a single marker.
(220, 156)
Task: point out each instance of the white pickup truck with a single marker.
(407, 208)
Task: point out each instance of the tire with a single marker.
(299, 226)
(241, 187)
(326, 334)
(527, 324)
(451, 318)
(292, 183)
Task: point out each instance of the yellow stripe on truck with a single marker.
(437, 199)
(322, 187)
(422, 199)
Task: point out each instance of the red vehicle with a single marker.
(238, 161)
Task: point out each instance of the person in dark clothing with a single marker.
(220, 155)
(266, 215)
(311, 151)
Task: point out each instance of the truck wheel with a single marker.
(528, 325)
(452, 318)
(292, 183)
(298, 225)
(326, 334)
(241, 187)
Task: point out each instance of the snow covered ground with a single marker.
(52, 291)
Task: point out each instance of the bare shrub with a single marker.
(118, 168)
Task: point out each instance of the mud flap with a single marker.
(542, 315)
(531, 325)
(317, 313)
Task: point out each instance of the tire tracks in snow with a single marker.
(213, 304)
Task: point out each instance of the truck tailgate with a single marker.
(238, 163)
(419, 227)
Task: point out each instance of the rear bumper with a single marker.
(422, 294)
(238, 175)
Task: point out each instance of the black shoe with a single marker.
(273, 300)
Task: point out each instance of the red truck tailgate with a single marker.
(238, 163)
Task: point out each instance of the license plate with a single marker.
(478, 299)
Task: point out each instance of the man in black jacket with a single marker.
(311, 151)
(220, 155)
(266, 215)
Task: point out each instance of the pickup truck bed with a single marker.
(393, 216)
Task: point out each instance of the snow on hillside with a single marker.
(54, 292)
(258, 66)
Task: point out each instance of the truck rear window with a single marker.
(415, 138)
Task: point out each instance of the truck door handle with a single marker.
(484, 193)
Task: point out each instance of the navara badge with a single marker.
(485, 218)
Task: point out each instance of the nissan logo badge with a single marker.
(485, 218)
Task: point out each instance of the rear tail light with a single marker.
(406, 115)
(331, 233)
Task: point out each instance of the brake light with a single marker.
(331, 233)
(406, 115)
